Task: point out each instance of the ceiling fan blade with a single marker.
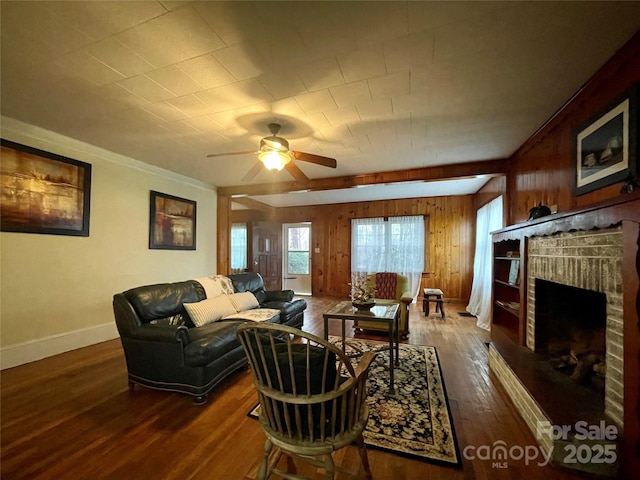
(251, 174)
(317, 159)
(229, 153)
(295, 172)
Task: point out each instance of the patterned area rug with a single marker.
(415, 421)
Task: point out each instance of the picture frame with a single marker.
(172, 222)
(605, 146)
(43, 192)
(514, 273)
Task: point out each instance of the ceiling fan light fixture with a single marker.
(274, 160)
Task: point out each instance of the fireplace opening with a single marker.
(570, 329)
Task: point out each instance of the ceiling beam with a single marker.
(442, 172)
(255, 205)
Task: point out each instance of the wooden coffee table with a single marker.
(383, 312)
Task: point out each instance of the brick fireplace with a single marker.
(592, 261)
(595, 250)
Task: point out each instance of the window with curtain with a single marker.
(489, 218)
(238, 247)
(395, 245)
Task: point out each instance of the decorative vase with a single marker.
(363, 306)
(539, 211)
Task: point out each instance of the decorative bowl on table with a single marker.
(363, 306)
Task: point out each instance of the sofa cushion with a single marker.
(243, 301)
(209, 310)
(288, 309)
(211, 341)
(164, 300)
(247, 282)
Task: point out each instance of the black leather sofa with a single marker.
(164, 350)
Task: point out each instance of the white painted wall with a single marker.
(56, 291)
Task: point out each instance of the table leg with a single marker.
(326, 328)
(344, 342)
(398, 338)
(392, 362)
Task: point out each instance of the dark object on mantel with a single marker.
(539, 211)
(630, 184)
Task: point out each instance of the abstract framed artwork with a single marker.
(172, 222)
(43, 192)
(606, 145)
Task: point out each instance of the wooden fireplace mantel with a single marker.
(600, 215)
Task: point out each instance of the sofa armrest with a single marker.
(406, 297)
(162, 333)
(279, 296)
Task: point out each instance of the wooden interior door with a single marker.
(267, 253)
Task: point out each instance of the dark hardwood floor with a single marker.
(73, 416)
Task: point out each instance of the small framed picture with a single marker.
(172, 222)
(514, 272)
(605, 146)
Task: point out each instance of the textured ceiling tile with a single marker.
(207, 71)
(100, 19)
(341, 116)
(351, 94)
(409, 52)
(390, 85)
(191, 105)
(240, 61)
(204, 123)
(336, 134)
(374, 22)
(57, 35)
(232, 118)
(374, 110)
(117, 56)
(234, 22)
(316, 101)
(89, 68)
(121, 95)
(240, 94)
(280, 49)
(165, 111)
(289, 107)
(282, 84)
(483, 73)
(175, 80)
(146, 88)
(363, 63)
(322, 74)
(171, 38)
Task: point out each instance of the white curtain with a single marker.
(238, 247)
(489, 219)
(395, 245)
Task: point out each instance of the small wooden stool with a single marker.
(436, 296)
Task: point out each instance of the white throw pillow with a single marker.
(257, 314)
(209, 310)
(216, 285)
(244, 301)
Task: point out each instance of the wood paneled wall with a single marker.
(451, 240)
(542, 168)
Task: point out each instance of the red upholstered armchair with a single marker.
(390, 287)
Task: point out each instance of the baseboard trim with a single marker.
(32, 350)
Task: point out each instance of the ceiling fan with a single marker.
(274, 154)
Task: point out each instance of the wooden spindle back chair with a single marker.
(312, 400)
